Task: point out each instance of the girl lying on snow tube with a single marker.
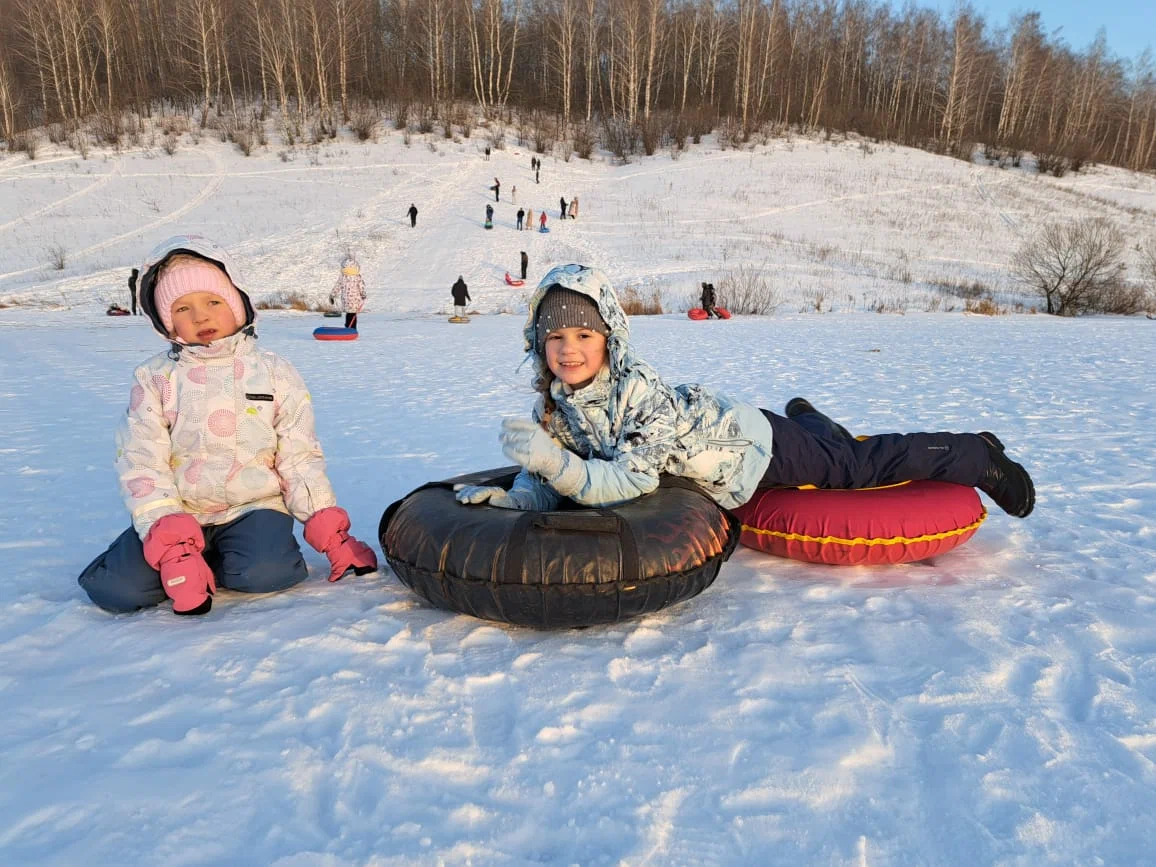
(606, 426)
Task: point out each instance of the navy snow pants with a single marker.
(807, 450)
(256, 553)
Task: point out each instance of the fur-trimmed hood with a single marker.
(595, 285)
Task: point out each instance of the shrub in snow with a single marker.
(583, 142)
(1075, 267)
(748, 289)
(1051, 164)
(635, 302)
(26, 141)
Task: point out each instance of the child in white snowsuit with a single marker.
(216, 455)
(349, 291)
(606, 426)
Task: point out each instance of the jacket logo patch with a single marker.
(267, 397)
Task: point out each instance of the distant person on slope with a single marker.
(497, 188)
(709, 301)
(132, 278)
(542, 222)
(217, 453)
(521, 218)
(461, 294)
(412, 215)
(529, 219)
(562, 206)
(349, 291)
(573, 212)
(489, 214)
(606, 426)
(525, 263)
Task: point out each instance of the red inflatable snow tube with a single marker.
(324, 333)
(698, 314)
(895, 524)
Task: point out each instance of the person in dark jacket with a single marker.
(461, 294)
(412, 215)
(132, 278)
(562, 206)
(489, 215)
(497, 188)
(709, 300)
(521, 216)
(525, 263)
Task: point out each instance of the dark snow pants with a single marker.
(256, 553)
(807, 450)
(351, 321)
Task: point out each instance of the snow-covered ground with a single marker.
(996, 706)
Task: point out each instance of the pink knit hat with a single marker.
(184, 274)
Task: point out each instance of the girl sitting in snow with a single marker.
(349, 291)
(217, 453)
(606, 426)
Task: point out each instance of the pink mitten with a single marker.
(328, 532)
(173, 547)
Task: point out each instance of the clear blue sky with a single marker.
(1130, 24)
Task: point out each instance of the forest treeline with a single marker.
(630, 70)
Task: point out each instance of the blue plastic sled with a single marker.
(324, 333)
(544, 230)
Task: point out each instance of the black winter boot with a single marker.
(1005, 481)
(800, 405)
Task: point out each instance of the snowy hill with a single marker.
(994, 706)
(841, 225)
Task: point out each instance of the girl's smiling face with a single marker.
(202, 317)
(575, 355)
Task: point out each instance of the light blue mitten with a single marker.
(495, 496)
(528, 444)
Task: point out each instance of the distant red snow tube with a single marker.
(698, 314)
(514, 282)
(324, 333)
(896, 524)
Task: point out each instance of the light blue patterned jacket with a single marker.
(628, 426)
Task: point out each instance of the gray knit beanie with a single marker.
(565, 308)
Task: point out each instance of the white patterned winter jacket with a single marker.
(349, 290)
(217, 431)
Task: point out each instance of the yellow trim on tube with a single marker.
(893, 540)
(876, 488)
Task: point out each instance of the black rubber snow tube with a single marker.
(573, 567)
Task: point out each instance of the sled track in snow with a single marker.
(215, 182)
(51, 206)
